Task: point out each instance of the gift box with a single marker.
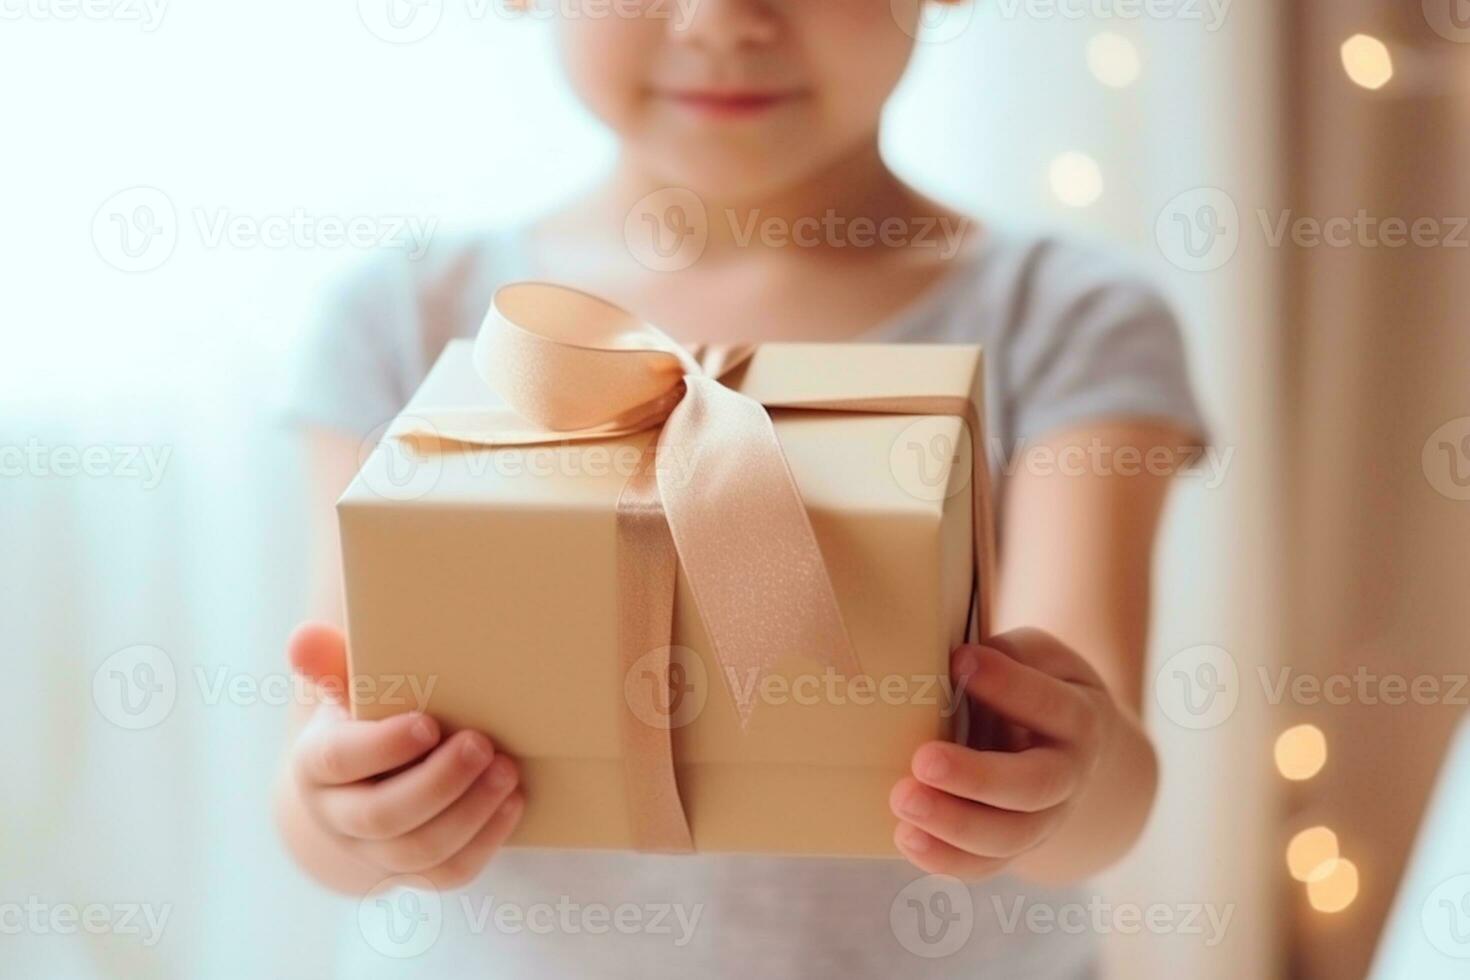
(706, 599)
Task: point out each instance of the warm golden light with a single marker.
(1337, 889)
(1312, 854)
(1367, 61)
(1076, 179)
(1301, 752)
(1113, 59)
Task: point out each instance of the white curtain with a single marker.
(245, 115)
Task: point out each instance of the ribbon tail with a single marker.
(745, 541)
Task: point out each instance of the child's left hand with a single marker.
(969, 811)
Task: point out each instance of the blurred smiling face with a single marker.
(737, 98)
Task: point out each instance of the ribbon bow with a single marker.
(574, 367)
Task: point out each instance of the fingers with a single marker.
(1023, 693)
(971, 827)
(970, 812)
(463, 867)
(409, 799)
(1039, 649)
(445, 835)
(1027, 782)
(928, 853)
(319, 651)
(334, 750)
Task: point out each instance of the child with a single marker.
(762, 111)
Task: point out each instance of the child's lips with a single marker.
(729, 104)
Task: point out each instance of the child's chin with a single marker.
(733, 170)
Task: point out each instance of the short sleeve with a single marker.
(361, 355)
(1095, 342)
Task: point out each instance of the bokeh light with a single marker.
(1301, 752)
(1312, 853)
(1076, 179)
(1113, 59)
(1367, 61)
(1335, 890)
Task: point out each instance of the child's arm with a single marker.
(448, 804)
(1075, 576)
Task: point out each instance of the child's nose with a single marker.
(726, 24)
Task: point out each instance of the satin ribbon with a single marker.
(573, 367)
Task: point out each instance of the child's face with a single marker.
(739, 98)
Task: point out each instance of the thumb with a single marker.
(318, 652)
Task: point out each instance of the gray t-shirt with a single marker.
(1070, 336)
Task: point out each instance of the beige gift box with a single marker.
(490, 574)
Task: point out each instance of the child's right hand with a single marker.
(396, 794)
